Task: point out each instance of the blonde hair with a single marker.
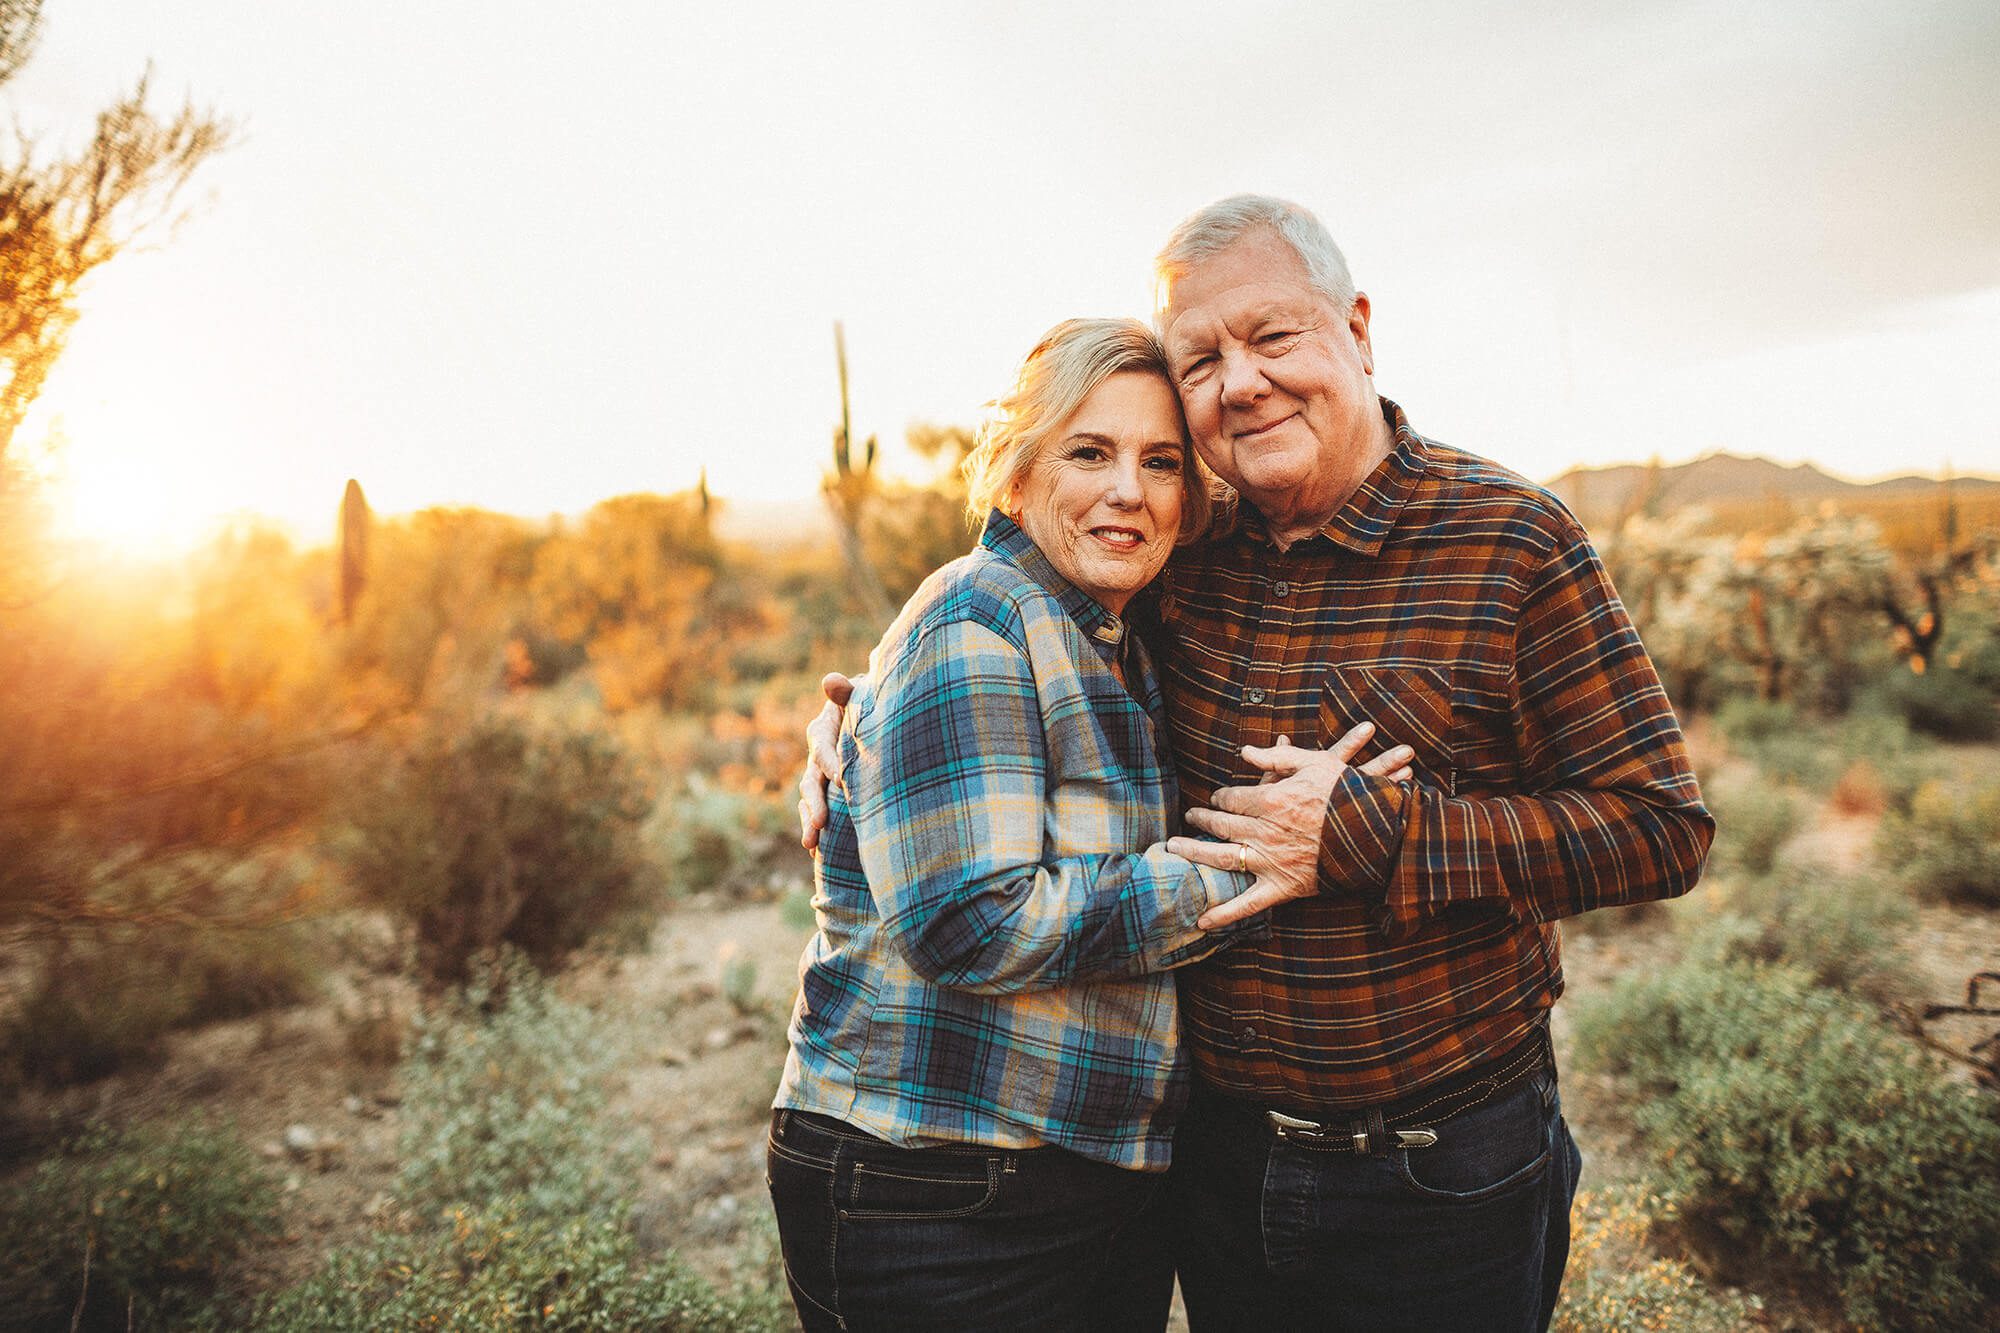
(1066, 367)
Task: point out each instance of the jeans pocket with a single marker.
(958, 1186)
(1488, 1151)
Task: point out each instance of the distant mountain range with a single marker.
(1602, 494)
(1596, 494)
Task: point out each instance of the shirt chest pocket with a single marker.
(1409, 705)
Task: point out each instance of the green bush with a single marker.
(506, 833)
(1753, 819)
(515, 1211)
(715, 837)
(144, 1224)
(1616, 1284)
(1748, 721)
(106, 998)
(1948, 844)
(1849, 933)
(1787, 1119)
(1953, 705)
(496, 1269)
(503, 1104)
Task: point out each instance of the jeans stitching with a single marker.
(799, 1158)
(1524, 1176)
(833, 1236)
(878, 1215)
(928, 1180)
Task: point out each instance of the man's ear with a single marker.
(1357, 326)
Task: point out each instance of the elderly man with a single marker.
(1375, 1140)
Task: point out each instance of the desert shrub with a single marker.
(1948, 844)
(1849, 933)
(512, 1190)
(717, 837)
(1748, 721)
(503, 1104)
(106, 998)
(503, 832)
(495, 1269)
(1753, 819)
(1953, 705)
(1616, 1284)
(1785, 1119)
(142, 1225)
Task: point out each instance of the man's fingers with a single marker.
(837, 688)
(1282, 758)
(1278, 761)
(1350, 745)
(1385, 764)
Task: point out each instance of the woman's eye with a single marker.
(1087, 453)
(1164, 463)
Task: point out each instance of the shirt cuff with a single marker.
(1221, 886)
(1363, 835)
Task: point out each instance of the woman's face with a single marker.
(1103, 498)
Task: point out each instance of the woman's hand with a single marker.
(1274, 827)
(822, 758)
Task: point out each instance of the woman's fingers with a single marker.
(1388, 763)
(1216, 855)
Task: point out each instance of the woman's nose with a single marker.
(1126, 488)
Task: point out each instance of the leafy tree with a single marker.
(63, 217)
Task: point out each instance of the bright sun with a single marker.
(148, 501)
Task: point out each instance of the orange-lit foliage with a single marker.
(641, 587)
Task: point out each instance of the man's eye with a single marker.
(1278, 340)
(1196, 371)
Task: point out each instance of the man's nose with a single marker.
(1242, 382)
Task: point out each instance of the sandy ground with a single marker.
(704, 1060)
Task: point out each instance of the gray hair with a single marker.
(1211, 230)
(1066, 367)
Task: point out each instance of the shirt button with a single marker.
(1247, 1038)
(1254, 696)
(1282, 588)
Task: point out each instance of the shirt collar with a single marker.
(1365, 520)
(1003, 536)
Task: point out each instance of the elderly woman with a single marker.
(984, 1075)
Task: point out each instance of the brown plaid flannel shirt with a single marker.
(1462, 610)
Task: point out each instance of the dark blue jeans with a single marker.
(1471, 1234)
(963, 1239)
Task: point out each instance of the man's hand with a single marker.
(1274, 827)
(822, 758)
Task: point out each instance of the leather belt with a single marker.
(1378, 1129)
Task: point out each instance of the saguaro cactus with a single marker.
(849, 489)
(354, 525)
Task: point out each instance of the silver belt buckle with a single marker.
(1285, 1126)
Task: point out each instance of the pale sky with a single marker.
(512, 256)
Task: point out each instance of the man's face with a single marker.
(1275, 382)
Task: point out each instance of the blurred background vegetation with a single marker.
(386, 813)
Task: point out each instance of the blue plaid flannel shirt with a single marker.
(996, 911)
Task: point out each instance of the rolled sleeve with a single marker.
(1610, 813)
